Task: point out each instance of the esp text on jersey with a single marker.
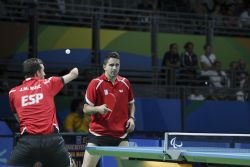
(31, 99)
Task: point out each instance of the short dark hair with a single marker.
(187, 44)
(172, 45)
(31, 66)
(114, 55)
(206, 45)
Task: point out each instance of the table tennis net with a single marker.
(201, 141)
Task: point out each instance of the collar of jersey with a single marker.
(31, 78)
(118, 78)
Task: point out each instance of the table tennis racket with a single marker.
(110, 101)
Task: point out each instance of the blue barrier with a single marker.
(164, 115)
(219, 117)
(157, 115)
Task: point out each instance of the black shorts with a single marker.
(105, 140)
(48, 149)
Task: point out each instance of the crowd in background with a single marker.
(231, 13)
(197, 67)
(188, 69)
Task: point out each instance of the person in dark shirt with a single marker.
(170, 62)
(189, 64)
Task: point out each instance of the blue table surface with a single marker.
(231, 156)
(189, 151)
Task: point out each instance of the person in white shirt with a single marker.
(208, 59)
(196, 95)
(245, 18)
(217, 77)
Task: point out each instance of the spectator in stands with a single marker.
(189, 63)
(241, 73)
(243, 93)
(208, 59)
(240, 95)
(210, 5)
(171, 58)
(246, 89)
(218, 78)
(217, 15)
(77, 121)
(231, 19)
(147, 5)
(189, 58)
(232, 73)
(171, 62)
(196, 95)
(61, 6)
(245, 18)
(238, 73)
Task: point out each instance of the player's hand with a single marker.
(74, 72)
(103, 109)
(130, 125)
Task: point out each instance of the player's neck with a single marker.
(111, 79)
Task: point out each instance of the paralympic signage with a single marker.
(174, 144)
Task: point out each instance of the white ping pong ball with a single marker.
(67, 51)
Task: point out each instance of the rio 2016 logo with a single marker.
(174, 144)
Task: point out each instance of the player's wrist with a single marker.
(131, 117)
(96, 110)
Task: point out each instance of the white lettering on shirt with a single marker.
(35, 87)
(30, 88)
(31, 99)
(24, 89)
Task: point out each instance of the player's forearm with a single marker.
(16, 117)
(73, 74)
(132, 110)
(88, 109)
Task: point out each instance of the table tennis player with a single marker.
(110, 101)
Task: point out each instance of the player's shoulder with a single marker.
(95, 83)
(13, 90)
(96, 80)
(48, 80)
(122, 79)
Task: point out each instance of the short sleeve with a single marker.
(130, 93)
(55, 84)
(90, 96)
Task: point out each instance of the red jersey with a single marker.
(33, 101)
(103, 124)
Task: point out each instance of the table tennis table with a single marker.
(188, 155)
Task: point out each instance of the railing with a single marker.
(150, 82)
(120, 18)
